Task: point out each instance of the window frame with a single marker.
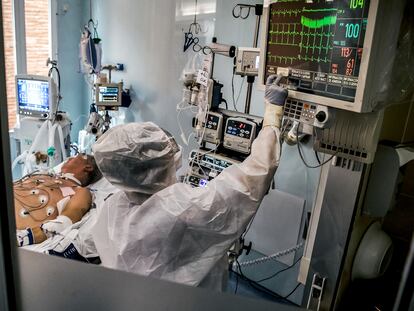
(19, 26)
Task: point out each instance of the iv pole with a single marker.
(258, 10)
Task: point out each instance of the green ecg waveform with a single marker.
(319, 10)
(287, 12)
(287, 60)
(308, 35)
(286, 34)
(318, 23)
(295, 12)
(313, 59)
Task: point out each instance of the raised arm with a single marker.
(181, 233)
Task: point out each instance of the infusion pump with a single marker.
(211, 129)
(239, 134)
(205, 166)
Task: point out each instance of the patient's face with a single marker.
(75, 165)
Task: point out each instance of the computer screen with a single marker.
(33, 96)
(320, 43)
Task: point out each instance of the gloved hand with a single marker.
(275, 97)
(56, 226)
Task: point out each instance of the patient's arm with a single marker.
(78, 205)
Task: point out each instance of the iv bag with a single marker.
(90, 53)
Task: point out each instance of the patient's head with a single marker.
(83, 168)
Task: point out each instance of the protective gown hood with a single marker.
(138, 158)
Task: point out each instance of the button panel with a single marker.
(300, 111)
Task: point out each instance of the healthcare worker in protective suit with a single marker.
(164, 229)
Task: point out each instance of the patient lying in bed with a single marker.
(45, 205)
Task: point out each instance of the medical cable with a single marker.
(248, 227)
(193, 161)
(179, 108)
(183, 138)
(232, 91)
(50, 186)
(26, 176)
(32, 208)
(303, 159)
(59, 97)
(317, 157)
(37, 219)
(260, 287)
(199, 164)
(75, 148)
(58, 76)
(200, 140)
(225, 102)
(290, 294)
(237, 284)
(278, 272)
(273, 256)
(240, 90)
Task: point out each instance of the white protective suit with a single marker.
(173, 231)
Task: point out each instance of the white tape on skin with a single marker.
(62, 204)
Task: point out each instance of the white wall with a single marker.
(147, 37)
(71, 17)
(238, 32)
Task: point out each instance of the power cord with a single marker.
(317, 157)
(232, 92)
(280, 271)
(291, 293)
(264, 289)
(236, 100)
(303, 159)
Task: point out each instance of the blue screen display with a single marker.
(108, 94)
(33, 95)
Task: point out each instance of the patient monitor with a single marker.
(108, 95)
(40, 128)
(36, 96)
(334, 53)
(337, 58)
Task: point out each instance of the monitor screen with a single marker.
(108, 94)
(33, 95)
(320, 42)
